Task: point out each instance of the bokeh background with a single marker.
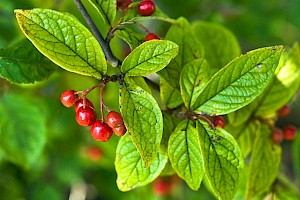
(70, 167)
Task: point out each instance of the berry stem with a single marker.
(111, 32)
(105, 47)
(137, 24)
(102, 104)
(199, 116)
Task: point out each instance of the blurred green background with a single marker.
(66, 166)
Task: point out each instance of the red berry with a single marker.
(94, 153)
(146, 8)
(101, 131)
(86, 116)
(123, 3)
(151, 36)
(162, 186)
(289, 132)
(277, 135)
(79, 104)
(120, 131)
(284, 111)
(68, 98)
(114, 119)
(219, 121)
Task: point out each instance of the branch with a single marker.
(106, 50)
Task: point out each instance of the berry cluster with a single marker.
(86, 116)
(286, 133)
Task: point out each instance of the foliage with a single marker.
(168, 92)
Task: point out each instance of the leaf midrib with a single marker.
(55, 38)
(230, 82)
(135, 66)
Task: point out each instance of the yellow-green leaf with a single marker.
(64, 40)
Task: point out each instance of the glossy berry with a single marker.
(123, 3)
(219, 121)
(79, 104)
(146, 8)
(85, 116)
(114, 119)
(289, 132)
(284, 111)
(68, 98)
(162, 186)
(101, 131)
(120, 131)
(277, 135)
(151, 36)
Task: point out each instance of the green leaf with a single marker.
(130, 166)
(189, 50)
(149, 57)
(133, 39)
(24, 64)
(243, 115)
(184, 154)
(193, 79)
(239, 82)
(264, 163)
(64, 40)
(170, 97)
(222, 158)
(22, 130)
(107, 9)
(285, 84)
(219, 44)
(244, 134)
(143, 119)
(280, 91)
(296, 154)
(170, 123)
(138, 81)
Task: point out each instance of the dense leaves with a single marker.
(164, 132)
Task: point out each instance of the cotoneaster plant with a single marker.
(202, 76)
